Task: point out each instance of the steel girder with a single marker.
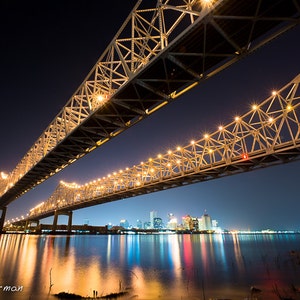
(158, 54)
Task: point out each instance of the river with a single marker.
(166, 266)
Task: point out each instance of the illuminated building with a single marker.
(124, 223)
(205, 222)
(157, 223)
(195, 224)
(187, 222)
(153, 214)
(147, 225)
(139, 224)
(172, 222)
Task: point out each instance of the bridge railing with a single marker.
(268, 128)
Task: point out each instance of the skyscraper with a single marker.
(205, 222)
(139, 224)
(153, 214)
(124, 223)
(158, 223)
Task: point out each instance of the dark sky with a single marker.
(47, 49)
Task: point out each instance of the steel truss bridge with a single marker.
(266, 135)
(158, 54)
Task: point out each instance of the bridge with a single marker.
(267, 135)
(158, 54)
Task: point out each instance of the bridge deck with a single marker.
(214, 38)
(267, 135)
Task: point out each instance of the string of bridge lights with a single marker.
(206, 136)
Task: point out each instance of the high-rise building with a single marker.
(157, 223)
(195, 224)
(139, 224)
(214, 223)
(205, 222)
(172, 221)
(187, 222)
(124, 223)
(153, 214)
(170, 216)
(147, 225)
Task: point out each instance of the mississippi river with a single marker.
(175, 266)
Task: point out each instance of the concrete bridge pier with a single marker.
(65, 213)
(2, 218)
(28, 224)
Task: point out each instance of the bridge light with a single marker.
(206, 3)
(210, 151)
(169, 152)
(237, 119)
(178, 148)
(271, 120)
(254, 107)
(206, 136)
(3, 175)
(100, 98)
(221, 128)
(245, 156)
(274, 93)
(289, 107)
(192, 142)
(159, 156)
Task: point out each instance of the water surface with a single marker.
(150, 266)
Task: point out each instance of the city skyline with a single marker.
(49, 70)
(187, 223)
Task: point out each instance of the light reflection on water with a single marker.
(151, 266)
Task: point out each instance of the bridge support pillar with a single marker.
(54, 225)
(69, 214)
(70, 221)
(2, 218)
(30, 222)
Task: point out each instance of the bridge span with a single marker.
(268, 134)
(159, 53)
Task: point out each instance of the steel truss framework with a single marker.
(159, 53)
(266, 135)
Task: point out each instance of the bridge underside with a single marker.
(233, 30)
(287, 153)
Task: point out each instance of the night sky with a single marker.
(48, 48)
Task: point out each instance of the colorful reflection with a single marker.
(151, 266)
